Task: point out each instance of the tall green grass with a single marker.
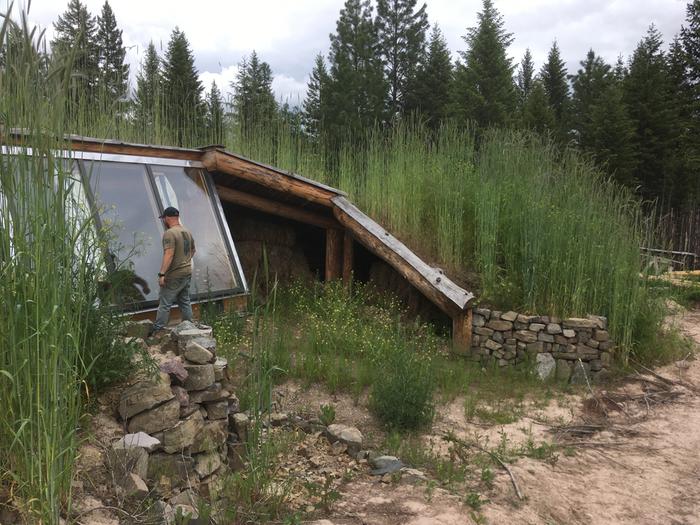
(53, 328)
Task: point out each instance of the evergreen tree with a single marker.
(647, 94)
(588, 86)
(433, 87)
(537, 114)
(253, 100)
(113, 72)
(75, 40)
(554, 80)
(313, 115)
(401, 33)
(182, 89)
(484, 89)
(148, 91)
(526, 75)
(356, 88)
(685, 64)
(215, 115)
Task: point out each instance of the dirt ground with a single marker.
(643, 469)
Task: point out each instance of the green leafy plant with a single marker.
(327, 414)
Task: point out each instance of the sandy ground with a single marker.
(647, 473)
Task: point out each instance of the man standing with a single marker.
(175, 270)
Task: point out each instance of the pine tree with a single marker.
(253, 100)
(113, 72)
(356, 91)
(148, 91)
(313, 115)
(484, 89)
(401, 33)
(537, 114)
(554, 80)
(182, 89)
(647, 95)
(686, 80)
(431, 96)
(75, 41)
(215, 115)
(526, 75)
(588, 86)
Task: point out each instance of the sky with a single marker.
(288, 34)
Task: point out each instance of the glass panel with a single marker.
(129, 213)
(185, 189)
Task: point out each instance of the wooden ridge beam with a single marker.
(215, 160)
(436, 286)
(272, 207)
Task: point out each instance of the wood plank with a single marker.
(215, 160)
(462, 332)
(348, 258)
(334, 254)
(272, 207)
(436, 286)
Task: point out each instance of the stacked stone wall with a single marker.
(570, 348)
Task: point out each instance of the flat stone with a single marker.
(277, 419)
(170, 471)
(220, 369)
(183, 434)
(601, 335)
(484, 312)
(492, 345)
(499, 325)
(561, 340)
(217, 409)
(164, 416)
(568, 333)
(526, 336)
(212, 436)
(578, 322)
(605, 346)
(196, 353)
(214, 392)
(385, 465)
(206, 342)
(498, 337)
(207, 463)
(509, 316)
(478, 320)
(199, 377)
(351, 436)
(175, 369)
(144, 395)
(139, 329)
(535, 348)
(137, 440)
(194, 334)
(124, 461)
(596, 365)
(592, 343)
(545, 337)
(134, 485)
(240, 424)
(525, 319)
(536, 327)
(583, 336)
(600, 322)
(482, 330)
(190, 409)
(546, 366)
(553, 329)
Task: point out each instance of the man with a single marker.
(175, 270)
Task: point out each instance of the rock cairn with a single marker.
(180, 424)
(573, 349)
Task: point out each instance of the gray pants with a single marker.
(174, 291)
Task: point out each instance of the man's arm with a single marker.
(168, 255)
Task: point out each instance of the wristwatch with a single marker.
(161, 274)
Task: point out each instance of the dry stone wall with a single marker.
(572, 348)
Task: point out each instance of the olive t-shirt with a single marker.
(182, 241)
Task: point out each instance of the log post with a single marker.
(348, 257)
(334, 254)
(462, 331)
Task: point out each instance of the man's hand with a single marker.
(161, 281)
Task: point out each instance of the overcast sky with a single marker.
(289, 33)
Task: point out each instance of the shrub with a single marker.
(402, 395)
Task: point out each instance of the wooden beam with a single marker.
(462, 332)
(272, 207)
(215, 160)
(436, 286)
(348, 258)
(334, 254)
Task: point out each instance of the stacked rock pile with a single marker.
(177, 424)
(572, 348)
